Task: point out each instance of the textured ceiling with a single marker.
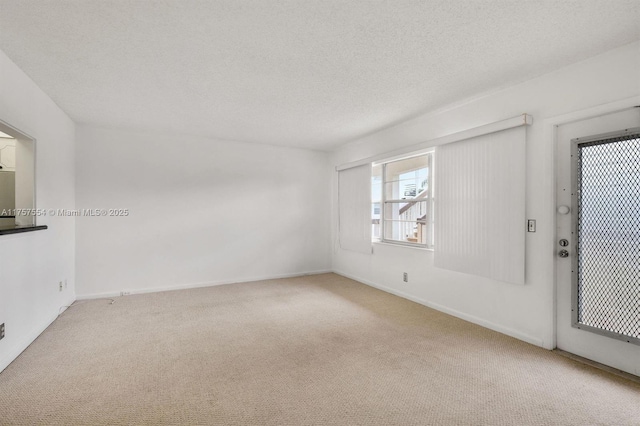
(306, 73)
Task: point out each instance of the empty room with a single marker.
(319, 212)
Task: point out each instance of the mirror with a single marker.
(17, 178)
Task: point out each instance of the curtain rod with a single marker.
(509, 123)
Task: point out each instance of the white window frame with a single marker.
(428, 200)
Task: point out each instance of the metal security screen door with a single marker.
(606, 201)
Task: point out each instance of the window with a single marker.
(402, 201)
(479, 215)
(16, 179)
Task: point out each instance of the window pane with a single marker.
(405, 197)
(405, 231)
(406, 221)
(414, 210)
(376, 183)
(376, 198)
(406, 179)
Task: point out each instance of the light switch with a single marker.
(531, 225)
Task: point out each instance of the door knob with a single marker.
(563, 253)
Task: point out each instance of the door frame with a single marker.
(550, 132)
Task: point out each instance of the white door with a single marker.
(598, 239)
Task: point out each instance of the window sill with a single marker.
(20, 229)
(387, 244)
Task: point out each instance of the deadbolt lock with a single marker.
(563, 242)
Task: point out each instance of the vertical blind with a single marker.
(480, 206)
(354, 205)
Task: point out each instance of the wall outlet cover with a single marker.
(531, 225)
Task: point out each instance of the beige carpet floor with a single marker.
(315, 350)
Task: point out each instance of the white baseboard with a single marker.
(476, 320)
(23, 344)
(197, 285)
(30, 337)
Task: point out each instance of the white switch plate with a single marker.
(531, 225)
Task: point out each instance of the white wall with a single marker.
(202, 211)
(526, 312)
(32, 264)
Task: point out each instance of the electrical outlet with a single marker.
(125, 293)
(60, 286)
(405, 277)
(1, 331)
